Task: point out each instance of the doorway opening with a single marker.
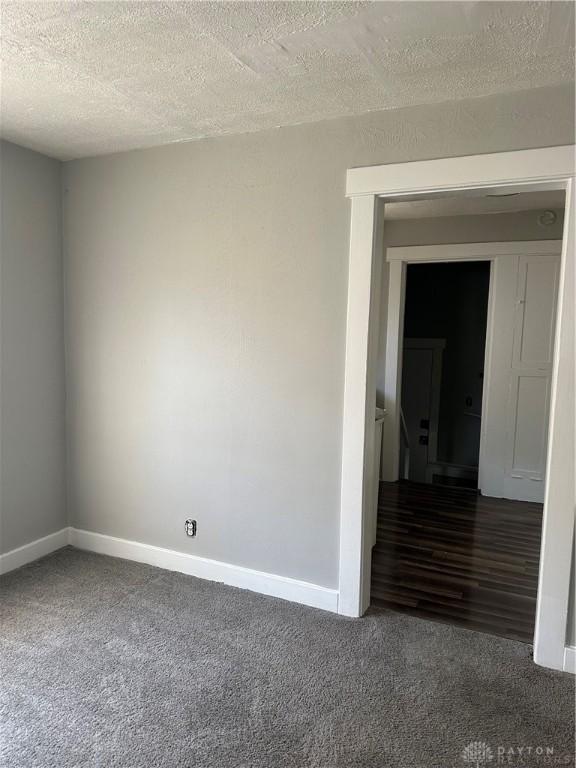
(370, 190)
(459, 518)
(445, 317)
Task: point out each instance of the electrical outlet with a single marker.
(190, 527)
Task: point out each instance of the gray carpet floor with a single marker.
(109, 663)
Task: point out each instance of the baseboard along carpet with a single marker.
(106, 663)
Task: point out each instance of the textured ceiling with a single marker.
(86, 78)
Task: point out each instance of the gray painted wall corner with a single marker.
(32, 431)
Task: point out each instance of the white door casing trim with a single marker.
(413, 254)
(360, 400)
(525, 170)
(570, 659)
(551, 166)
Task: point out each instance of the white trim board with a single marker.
(16, 558)
(302, 592)
(527, 167)
(570, 659)
(414, 254)
(296, 591)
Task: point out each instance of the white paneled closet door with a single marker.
(530, 377)
(518, 376)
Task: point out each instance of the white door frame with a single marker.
(492, 252)
(526, 170)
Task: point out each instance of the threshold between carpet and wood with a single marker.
(107, 662)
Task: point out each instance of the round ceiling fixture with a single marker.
(547, 218)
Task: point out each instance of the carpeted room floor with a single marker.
(110, 663)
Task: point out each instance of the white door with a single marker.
(530, 378)
(513, 462)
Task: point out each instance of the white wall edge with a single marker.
(570, 659)
(270, 584)
(473, 251)
(16, 558)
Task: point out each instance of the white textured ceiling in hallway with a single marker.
(86, 78)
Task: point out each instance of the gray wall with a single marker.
(32, 487)
(206, 310)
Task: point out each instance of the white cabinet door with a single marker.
(530, 377)
(518, 377)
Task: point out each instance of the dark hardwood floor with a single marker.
(454, 556)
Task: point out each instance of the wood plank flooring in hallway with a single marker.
(454, 556)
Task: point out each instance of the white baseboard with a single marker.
(34, 550)
(212, 570)
(570, 659)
